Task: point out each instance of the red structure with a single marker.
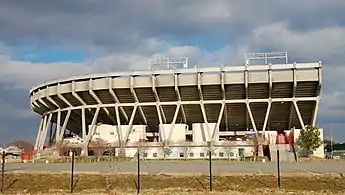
(282, 138)
(28, 156)
(291, 138)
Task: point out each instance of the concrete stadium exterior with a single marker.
(202, 105)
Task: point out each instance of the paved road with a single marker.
(186, 167)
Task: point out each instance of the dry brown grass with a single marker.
(163, 184)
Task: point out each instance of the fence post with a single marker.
(3, 170)
(138, 190)
(278, 168)
(210, 168)
(71, 153)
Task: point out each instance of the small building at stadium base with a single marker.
(195, 143)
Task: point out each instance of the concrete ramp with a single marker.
(285, 154)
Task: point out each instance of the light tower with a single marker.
(268, 58)
(168, 63)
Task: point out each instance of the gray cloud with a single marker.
(324, 44)
(17, 122)
(122, 35)
(119, 25)
(25, 74)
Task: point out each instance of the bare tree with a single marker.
(165, 148)
(210, 148)
(98, 147)
(62, 147)
(227, 147)
(27, 147)
(186, 146)
(122, 148)
(142, 147)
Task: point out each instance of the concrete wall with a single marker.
(195, 152)
(109, 133)
(106, 132)
(201, 133)
(138, 132)
(178, 133)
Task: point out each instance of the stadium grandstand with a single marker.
(235, 110)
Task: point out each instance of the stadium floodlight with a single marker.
(168, 63)
(267, 57)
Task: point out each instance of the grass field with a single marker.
(45, 183)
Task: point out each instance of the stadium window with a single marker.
(145, 155)
(221, 154)
(202, 155)
(112, 133)
(154, 154)
(181, 155)
(191, 154)
(232, 154)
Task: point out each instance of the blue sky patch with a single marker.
(37, 54)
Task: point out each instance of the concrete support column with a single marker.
(39, 133)
(298, 114)
(177, 91)
(84, 133)
(155, 93)
(202, 106)
(246, 94)
(269, 104)
(216, 128)
(116, 99)
(222, 83)
(178, 106)
(58, 127)
(64, 126)
(142, 114)
(96, 98)
(45, 131)
(294, 87)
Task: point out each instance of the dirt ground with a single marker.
(165, 184)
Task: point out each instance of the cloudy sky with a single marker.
(42, 40)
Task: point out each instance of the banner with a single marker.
(281, 138)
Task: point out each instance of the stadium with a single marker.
(177, 112)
